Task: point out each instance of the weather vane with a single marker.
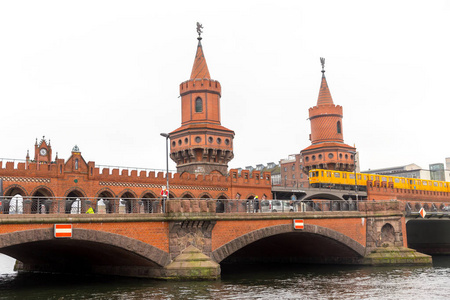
(199, 29)
(322, 61)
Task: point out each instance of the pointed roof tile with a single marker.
(324, 93)
(200, 68)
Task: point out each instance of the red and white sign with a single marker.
(299, 224)
(63, 230)
(422, 212)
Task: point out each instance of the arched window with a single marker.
(339, 130)
(198, 104)
(76, 164)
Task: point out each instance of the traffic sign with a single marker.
(299, 224)
(422, 212)
(63, 230)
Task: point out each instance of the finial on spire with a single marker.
(199, 30)
(322, 61)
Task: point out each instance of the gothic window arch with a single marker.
(198, 105)
(76, 163)
(338, 125)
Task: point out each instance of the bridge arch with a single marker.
(15, 189)
(128, 198)
(205, 195)
(40, 202)
(13, 203)
(323, 195)
(72, 201)
(231, 247)
(187, 195)
(87, 248)
(149, 201)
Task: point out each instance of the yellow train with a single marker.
(346, 180)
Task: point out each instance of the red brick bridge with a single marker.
(191, 240)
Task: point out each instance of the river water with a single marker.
(243, 282)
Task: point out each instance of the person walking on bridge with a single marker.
(256, 204)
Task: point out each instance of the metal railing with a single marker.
(74, 205)
(431, 209)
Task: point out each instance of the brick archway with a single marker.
(324, 195)
(226, 250)
(15, 189)
(12, 240)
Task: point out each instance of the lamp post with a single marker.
(356, 184)
(166, 135)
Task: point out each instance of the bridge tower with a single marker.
(201, 145)
(327, 150)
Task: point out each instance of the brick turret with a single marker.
(327, 150)
(201, 145)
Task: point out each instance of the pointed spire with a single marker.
(324, 93)
(200, 68)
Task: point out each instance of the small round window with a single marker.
(210, 139)
(173, 144)
(227, 142)
(307, 158)
(179, 142)
(186, 140)
(313, 157)
(320, 156)
(198, 139)
(219, 141)
(330, 155)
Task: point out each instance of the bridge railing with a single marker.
(431, 208)
(78, 205)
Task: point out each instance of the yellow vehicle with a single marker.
(319, 178)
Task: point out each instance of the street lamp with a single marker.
(356, 184)
(166, 135)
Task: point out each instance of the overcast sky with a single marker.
(105, 75)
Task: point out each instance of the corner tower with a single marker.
(201, 145)
(327, 150)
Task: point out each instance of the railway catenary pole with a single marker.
(166, 135)
(354, 162)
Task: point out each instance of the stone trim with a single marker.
(172, 187)
(25, 179)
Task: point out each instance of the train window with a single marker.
(403, 180)
(351, 176)
(359, 176)
(365, 177)
(328, 174)
(425, 183)
(440, 184)
(344, 175)
(371, 177)
(397, 180)
(337, 175)
(390, 179)
(435, 184)
(322, 174)
(383, 179)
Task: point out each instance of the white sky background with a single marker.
(105, 75)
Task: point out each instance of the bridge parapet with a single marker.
(89, 205)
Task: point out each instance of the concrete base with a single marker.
(192, 264)
(384, 256)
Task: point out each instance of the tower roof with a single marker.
(324, 93)
(200, 68)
